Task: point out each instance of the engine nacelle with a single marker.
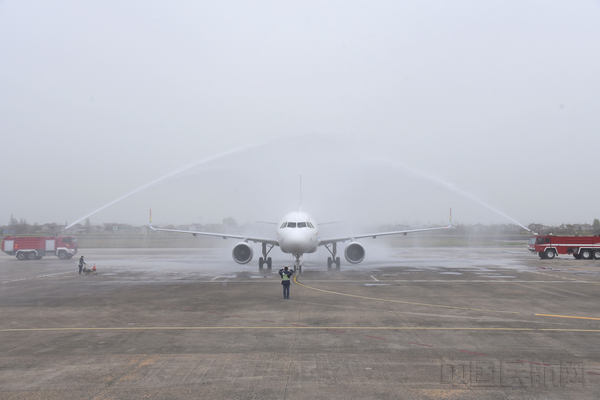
(354, 253)
(242, 253)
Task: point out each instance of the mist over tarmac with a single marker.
(368, 102)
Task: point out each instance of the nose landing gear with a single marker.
(297, 264)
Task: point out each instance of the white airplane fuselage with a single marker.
(297, 233)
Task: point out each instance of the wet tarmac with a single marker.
(419, 323)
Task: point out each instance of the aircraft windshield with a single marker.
(291, 224)
(301, 224)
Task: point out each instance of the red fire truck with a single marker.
(34, 248)
(581, 247)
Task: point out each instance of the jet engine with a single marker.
(354, 253)
(242, 253)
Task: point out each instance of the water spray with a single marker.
(453, 188)
(159, 180)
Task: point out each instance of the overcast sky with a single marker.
(379, 105)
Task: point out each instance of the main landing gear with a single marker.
(264, 260)
(333, 259)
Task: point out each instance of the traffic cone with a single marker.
(94, 269)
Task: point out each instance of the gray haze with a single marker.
(367, 100)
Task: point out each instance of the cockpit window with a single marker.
(291, 224)
(283, 225)
(301, 224)
(310, 225)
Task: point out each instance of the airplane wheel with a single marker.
(329, 262)
(269, 263)
(261, 262)
(337, 262)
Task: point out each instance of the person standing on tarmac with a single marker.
(286, 274)
(81, 264)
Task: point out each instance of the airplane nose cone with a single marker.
(295, 243)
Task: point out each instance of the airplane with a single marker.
(298, 234)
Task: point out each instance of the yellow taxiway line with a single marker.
(566, 316)
(355, 328)
(435, 305)
(400, 301)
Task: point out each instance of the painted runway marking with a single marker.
(472, 352)
(420, 344)
(296, 326)
(399, 301)
(41, 276)
(566, 316)
(428, 281)
(563, 277)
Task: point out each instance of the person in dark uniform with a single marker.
(81, 264)
(286, 274)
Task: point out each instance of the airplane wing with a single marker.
(223, 235)
(272, 242)
(324, 242)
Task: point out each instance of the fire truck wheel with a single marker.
(549, 254)
(31, 255)
(586, 254)
(596, 254)
(62, 255)
(21, 256)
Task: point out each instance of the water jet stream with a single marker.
(164, 178)
(451, 187)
